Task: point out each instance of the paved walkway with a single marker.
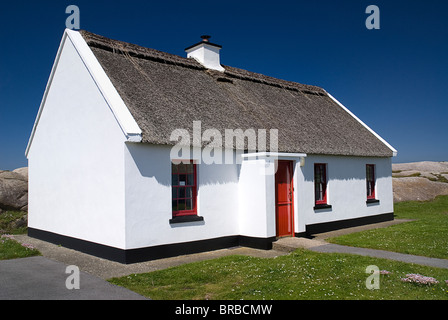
(106, 269)
(291, 244)
(318, 244)
(39, 278)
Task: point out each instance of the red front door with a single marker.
(284, 199)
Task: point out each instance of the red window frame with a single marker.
(370, 181)
(320, 183)
(183, 188)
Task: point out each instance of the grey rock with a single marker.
(14, 190)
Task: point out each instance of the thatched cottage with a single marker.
(117, 155)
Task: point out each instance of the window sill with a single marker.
(322, 206)
(372, 201)
(183, 219)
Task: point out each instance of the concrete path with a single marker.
(39, 278)
(106, 269)
(319, 245)
(432, 262)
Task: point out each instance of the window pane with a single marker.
(174, 180)
(320, 183)
(182, 179)
(189, 192)
(183, 188)
(174, 204)
(189, 204)
(182, 168)
(174, 193)
(318, 191)
(317, 177)
(181, 204)
(181, 192)
(190, 180)
(319, 173)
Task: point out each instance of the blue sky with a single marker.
(395, 79)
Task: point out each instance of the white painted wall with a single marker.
(346, 189)
(76, 162)
(148, 199)
(240, 199)
(256, 205)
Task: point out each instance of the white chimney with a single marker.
(206, 53)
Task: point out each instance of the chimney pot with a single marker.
(206, 53)
(205, 38)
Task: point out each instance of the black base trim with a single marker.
(257, 243)
(300, 235)
(349, 223)
(150, 253)
(177, 249)
(95, 249)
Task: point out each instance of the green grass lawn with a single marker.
(301, 275)
(9, 248)
(6, 219)
(310, 275)
(426, 236)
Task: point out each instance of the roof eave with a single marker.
(394, 151)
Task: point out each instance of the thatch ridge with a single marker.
(120, 47)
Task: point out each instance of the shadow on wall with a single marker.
(347, 168)
(153, 161)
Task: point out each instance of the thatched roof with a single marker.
(165, 92)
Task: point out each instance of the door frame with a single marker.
(292, 234)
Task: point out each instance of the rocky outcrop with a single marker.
(419, 181)
(418, 189)
(14, 190)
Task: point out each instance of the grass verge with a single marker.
(309, 275)
(301, 275)
(9, 248)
